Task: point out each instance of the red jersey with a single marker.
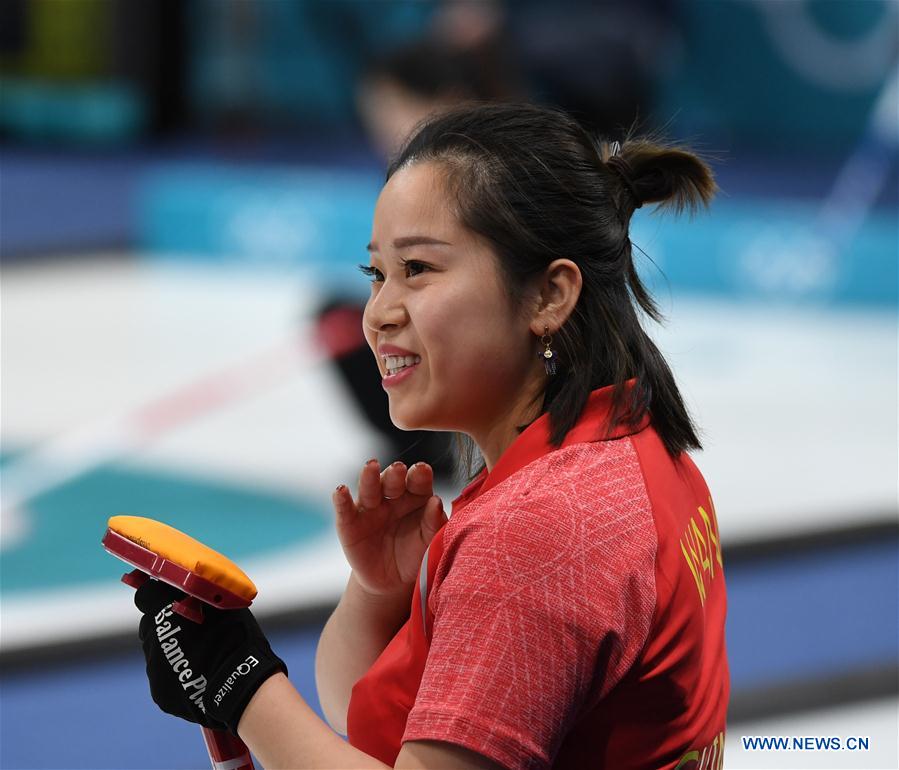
(570, 613)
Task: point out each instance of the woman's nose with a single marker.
(384, 309)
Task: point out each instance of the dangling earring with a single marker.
(548, 356)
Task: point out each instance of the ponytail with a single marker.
(674, 178)
(651, 171)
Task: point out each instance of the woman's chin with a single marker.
(404, 420)
(407, 420)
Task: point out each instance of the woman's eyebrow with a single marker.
(411, 240)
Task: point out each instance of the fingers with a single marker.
(343, 502)
(370, 494)
(420, 479)
(396, 480)
(393, 480)
(392, 483)
(433, 520)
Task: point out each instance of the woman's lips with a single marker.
(390, 380)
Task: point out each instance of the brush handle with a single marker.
(226, 752)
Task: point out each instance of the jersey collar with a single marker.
(534, 442)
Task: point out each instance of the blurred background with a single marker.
(185, 191)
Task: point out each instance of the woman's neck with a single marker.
(501, 434)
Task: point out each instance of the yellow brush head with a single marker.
(174, 546)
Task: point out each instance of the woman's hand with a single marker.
(202, 672)
(384, 535)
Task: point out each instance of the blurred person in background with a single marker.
(406, 85)
(597, 61)
(572, 611)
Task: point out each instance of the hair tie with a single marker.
(623, 169)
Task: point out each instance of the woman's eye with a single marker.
(409, 265)
(376, 277)
(372, 272)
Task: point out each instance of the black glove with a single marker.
(202, 672)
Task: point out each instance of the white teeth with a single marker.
(395, 363)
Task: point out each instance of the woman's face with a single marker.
(479, 367)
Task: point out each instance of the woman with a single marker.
(571, 613)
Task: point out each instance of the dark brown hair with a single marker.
(537, 186)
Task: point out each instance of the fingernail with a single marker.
(340, 487)
(373, 460)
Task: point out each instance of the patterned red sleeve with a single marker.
(540, 607)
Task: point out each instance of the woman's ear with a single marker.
(560, 289)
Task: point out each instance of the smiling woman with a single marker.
(571, 612)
